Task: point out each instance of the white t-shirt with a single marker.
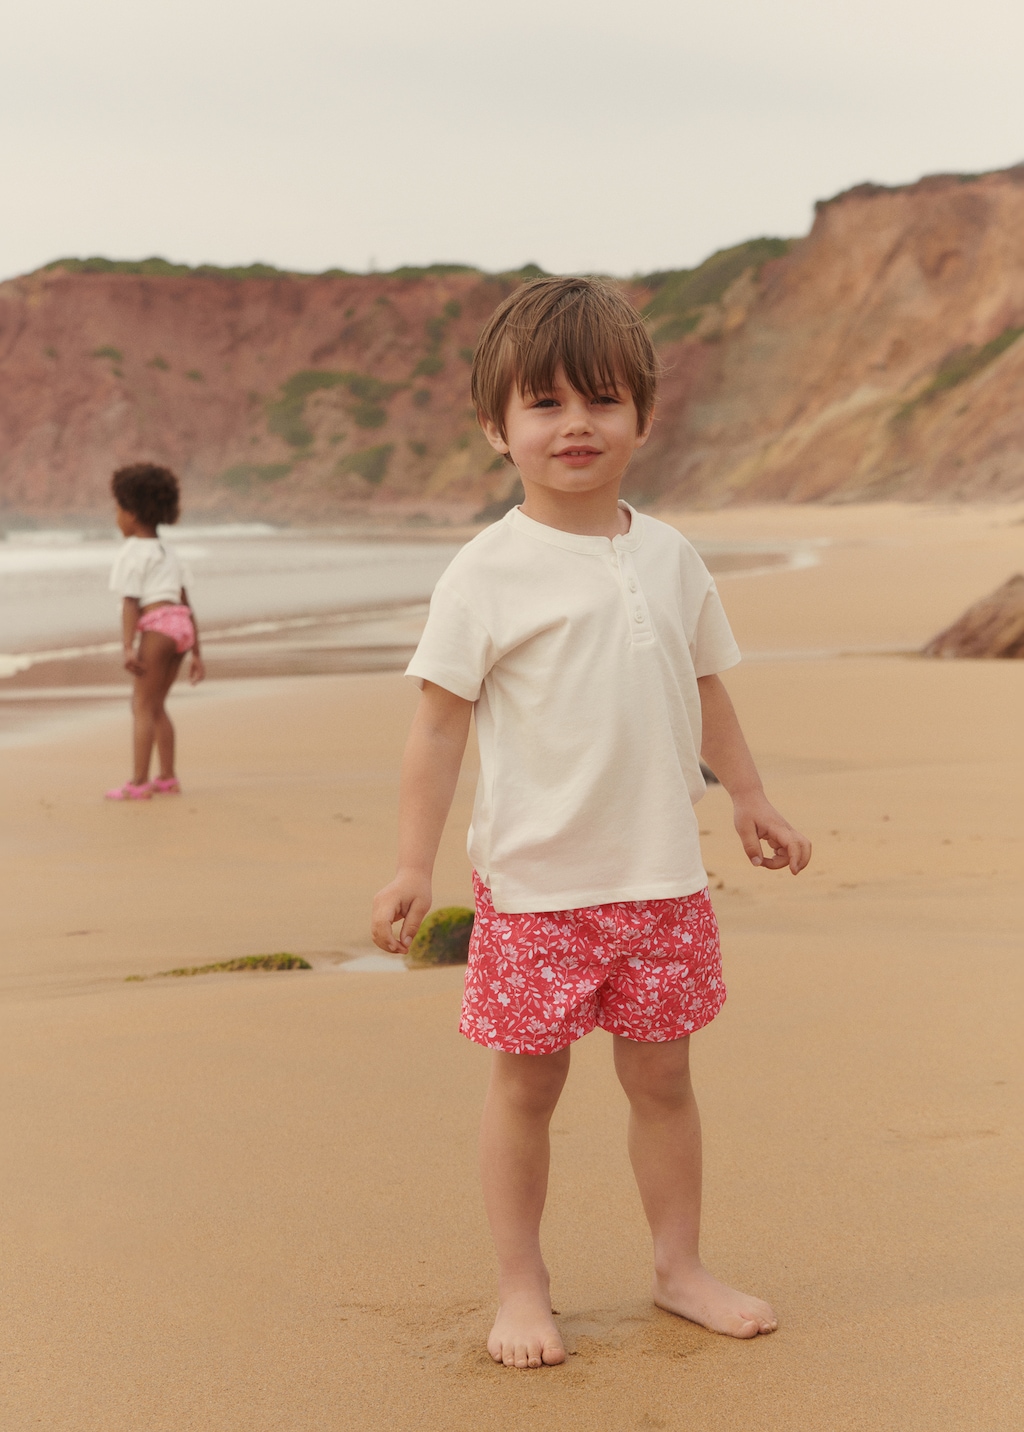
(148, 569)
(582, 656)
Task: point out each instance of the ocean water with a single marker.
(53, 585)
(272, 602)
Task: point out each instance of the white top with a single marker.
(582, 656)
(148, 569)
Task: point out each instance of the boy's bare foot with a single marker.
(697, 1296)
(524, 1332)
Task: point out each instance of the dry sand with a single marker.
(248, 1203)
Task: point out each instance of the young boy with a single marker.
(587, 638)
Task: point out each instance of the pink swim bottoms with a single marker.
(175, 622)
(650, 970)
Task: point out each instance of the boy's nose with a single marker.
(577, 417)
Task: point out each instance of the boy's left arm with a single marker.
(725, 750)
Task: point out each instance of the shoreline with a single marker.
(355, 639)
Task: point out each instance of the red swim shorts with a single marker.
(650, 970)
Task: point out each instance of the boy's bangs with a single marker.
(593, 362)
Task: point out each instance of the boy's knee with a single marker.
(664, 1095)
(532, 1083)
(655, 1075)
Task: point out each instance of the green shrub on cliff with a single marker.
(244, 474)
(414, 271)
(428, 365)
(371, 464)
(680, 294)
(958, 368)
(163, 268)
(286, 415)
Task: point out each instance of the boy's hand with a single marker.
(407, 898)
(756, 819)
(132, 662)
(196, 669)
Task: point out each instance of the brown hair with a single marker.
(148, 492)
(583, 324)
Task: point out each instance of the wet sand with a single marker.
(249, 1201)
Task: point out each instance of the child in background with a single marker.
(155, 610)
(587, 639)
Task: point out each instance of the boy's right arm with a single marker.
(430, 770)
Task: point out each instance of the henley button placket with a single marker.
(640, 624)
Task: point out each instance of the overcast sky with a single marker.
(584, 136)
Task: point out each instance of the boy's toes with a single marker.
(524, 1333)
(552, 1353)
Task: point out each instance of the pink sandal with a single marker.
(166, 786)
(130, 792)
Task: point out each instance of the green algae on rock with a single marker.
(281, 961)
(442, 939)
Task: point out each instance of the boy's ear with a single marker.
(645, 433)
(492, 433)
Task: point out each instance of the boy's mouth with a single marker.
(578, 454)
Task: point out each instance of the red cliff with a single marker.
(879, 356)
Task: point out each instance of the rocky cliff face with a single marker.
(879, 356)
(280, 395)
(992, 627)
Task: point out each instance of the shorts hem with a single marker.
(660, 1037)
(501, 1046)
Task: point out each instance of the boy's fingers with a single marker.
(384, 916)
(791, 848)
(751, 842)
(801, 854)
(778, 861)
(417, 910)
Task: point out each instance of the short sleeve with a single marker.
(127, 574)
(713, 646)
(455, 650)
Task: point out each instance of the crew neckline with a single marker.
(578, 541)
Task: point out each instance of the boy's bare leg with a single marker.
(514, 1158)
(665, 1151)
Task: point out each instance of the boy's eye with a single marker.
(545, 403)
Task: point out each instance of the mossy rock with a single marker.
(281, 961)
(442, 939)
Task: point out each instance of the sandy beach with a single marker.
(249, 1203)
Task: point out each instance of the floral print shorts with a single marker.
(650, 970)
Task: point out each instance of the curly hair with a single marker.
(148, 492)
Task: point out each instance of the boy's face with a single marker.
(564, 441)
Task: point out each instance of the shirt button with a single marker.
(638, 614)
(632, 584)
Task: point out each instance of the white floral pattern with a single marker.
(650, 970)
